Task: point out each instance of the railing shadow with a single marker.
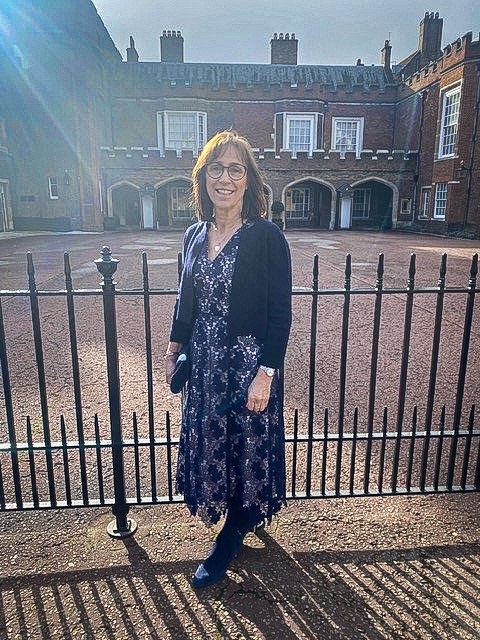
(412, 593)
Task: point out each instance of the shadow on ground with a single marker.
(422, 592)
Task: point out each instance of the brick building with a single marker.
(376, 146)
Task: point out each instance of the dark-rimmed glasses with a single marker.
(235, 171)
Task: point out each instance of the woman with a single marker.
(234, 308)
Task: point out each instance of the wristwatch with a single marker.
(268, 370)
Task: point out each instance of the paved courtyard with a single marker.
(372, 568)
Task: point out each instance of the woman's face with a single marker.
(225, 193)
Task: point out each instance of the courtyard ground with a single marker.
(369, 568)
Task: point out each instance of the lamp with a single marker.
(462, 169)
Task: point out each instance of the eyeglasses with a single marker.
(235, 171)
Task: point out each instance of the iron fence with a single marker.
(336, 452)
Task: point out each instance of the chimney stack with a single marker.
(171, 46)
(430, 38)
(387, 55)
(132, 55)
(283, 49)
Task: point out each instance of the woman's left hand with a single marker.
(259, 392)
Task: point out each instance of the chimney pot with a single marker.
(283, 49)
(171, 46)
(387, 54)
(430, 38)
(132, 55)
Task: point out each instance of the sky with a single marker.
(328, 31)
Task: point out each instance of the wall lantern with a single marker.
(462, 170)
(345, 189)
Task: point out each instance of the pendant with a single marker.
(216, 247)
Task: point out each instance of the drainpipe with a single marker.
(416, 177)
(472, 150)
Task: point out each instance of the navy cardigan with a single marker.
(261, 294)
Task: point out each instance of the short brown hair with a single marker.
(254, 201)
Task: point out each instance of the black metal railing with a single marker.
(354, 444)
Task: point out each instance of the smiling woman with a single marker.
(234, 312)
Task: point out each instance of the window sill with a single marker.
(451, 156)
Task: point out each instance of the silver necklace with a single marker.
(223, 240)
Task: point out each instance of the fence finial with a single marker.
(106, 265)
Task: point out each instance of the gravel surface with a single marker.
(373, 568)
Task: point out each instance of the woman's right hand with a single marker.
(169, 368)
(171, 356)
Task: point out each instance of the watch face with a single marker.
(268, 370)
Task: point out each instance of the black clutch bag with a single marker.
(182, 370)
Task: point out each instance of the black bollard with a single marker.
(122, 526)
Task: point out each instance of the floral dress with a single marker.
(228, 455)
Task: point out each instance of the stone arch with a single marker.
(323, 213)
(386, 218)
(269, 195)
(123, 198)
(172, 201)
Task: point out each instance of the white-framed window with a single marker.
(53, 187)
(180, 130)
(180, 203)
(5, 212)
(406, 206)
(440, 205)
(300, 132)
(297, 204)
(361, 203)
(3, 133)
(347, 135)
(425, 202)
(449, 122)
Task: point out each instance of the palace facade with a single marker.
(91, 141)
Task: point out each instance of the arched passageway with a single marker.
(308, 203)
(126, 205)
(173, 203)
(372, 205)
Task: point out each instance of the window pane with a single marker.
(180, 199)
(451, 108)
(53, 188)
(201, 131)
(361, 203)
(440, 200)
(346, 133)
(182, 131)
(297, 204)
(425, 208)
(299, 134)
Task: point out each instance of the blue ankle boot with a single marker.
(227, 546)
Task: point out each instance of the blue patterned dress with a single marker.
(227, 454)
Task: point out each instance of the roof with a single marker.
(233, 75)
